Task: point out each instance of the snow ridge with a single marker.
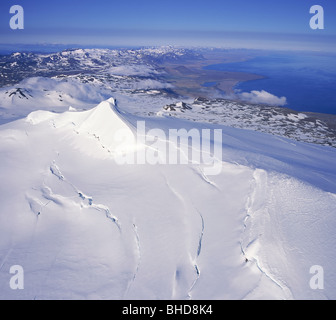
(199, 249)
(36, 205)
(257, 205)
(137, 267)
(189, 207)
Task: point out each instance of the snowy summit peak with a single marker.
(100, 132)
(104, 123)
(104, 114)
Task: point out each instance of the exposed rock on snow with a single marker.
(178, 106)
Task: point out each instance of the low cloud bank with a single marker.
(262, 97)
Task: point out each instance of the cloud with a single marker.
(133, 70)
(150, 84)
(262, 97)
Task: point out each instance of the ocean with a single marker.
(307, 80)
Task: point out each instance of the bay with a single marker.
(306, 79)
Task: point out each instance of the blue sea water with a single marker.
(307, 80)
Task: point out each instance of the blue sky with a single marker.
(235, 23)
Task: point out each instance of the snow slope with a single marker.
(83, 226)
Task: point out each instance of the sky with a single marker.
(221, 23)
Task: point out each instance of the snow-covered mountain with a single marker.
(18, 66)
(84, 225)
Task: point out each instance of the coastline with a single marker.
(188, 77)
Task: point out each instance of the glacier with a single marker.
(83, 226)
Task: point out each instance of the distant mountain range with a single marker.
(18, 66)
